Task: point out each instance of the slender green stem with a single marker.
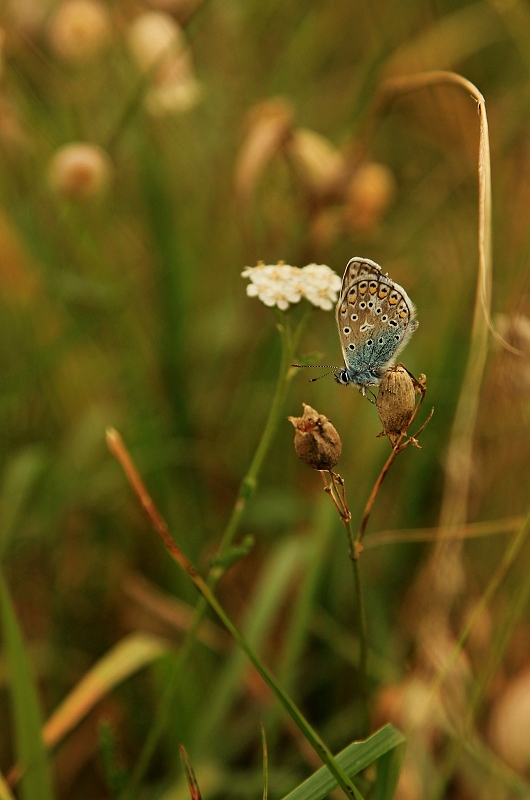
(248, 484)
(336, 491)
(119, 450)
(363, 639)
(308, 731)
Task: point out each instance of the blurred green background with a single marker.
(123, 304)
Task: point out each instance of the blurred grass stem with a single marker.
(504, 633)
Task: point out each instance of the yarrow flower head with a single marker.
(321, 285)
(282, 285)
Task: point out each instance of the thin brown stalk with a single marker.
(397, 448)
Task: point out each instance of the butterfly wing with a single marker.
(375, 318)
(355, 268)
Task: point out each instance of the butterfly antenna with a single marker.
(317, 366)
(314, 366)
(312, 380)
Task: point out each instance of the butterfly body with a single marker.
(375, 318)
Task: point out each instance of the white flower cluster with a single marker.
(281, 285)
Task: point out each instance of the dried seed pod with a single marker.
(395, 402)
(316, 441)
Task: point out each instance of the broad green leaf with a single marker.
(388, 769)
(29, 745)
(354, 758)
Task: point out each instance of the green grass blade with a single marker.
(29, 746)
(278, 575)
(18, 480)
(354, 758)
(388, 769)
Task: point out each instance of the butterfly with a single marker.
(375, 318)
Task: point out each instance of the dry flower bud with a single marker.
(318, 161)
(368, 195)
(316, 441)
(395, 402)
(79, 30)
(79, 171)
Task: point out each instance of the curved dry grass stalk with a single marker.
(459, 457)
(443, 578)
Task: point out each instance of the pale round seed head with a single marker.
(79, 30)
(174, 97)
(80, 171)
(153, 37)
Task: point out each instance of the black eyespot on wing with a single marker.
(351, 347)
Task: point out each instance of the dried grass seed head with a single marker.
(368, 195)
(316, 440)
(268, 128)
(318, 162)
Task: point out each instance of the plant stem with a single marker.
(249, 482)
(290, 342)
(335, 489)
(120, 452)
(363, 643)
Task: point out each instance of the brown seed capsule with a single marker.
(395, 402)
(316, 441)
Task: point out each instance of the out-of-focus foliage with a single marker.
(149, 151)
